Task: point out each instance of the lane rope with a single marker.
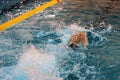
(27, 14)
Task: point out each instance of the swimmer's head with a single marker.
(73, 46)
(79, 37)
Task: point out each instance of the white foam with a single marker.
(49, 16)
(37, 65)
(33, 65)
(75, 27)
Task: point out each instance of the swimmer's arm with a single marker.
(84, 40)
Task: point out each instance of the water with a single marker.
(35, 49)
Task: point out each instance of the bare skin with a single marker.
(77, 38)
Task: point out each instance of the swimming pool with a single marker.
(35, 49)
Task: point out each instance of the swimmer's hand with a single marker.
(84, 39)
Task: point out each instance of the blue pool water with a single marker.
(36, 49)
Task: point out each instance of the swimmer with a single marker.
(77, 38)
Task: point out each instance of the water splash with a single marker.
(33, 65)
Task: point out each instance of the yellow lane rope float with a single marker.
(26, 15)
